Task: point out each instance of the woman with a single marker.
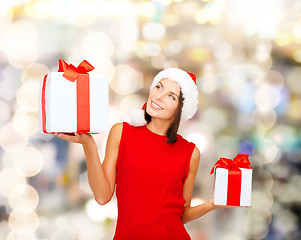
(153, 167)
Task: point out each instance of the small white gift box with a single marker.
(233, 181)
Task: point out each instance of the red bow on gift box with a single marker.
(71, 72)
(240, 161)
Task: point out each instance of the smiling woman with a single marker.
(151, 165)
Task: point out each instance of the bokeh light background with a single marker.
(246, 55)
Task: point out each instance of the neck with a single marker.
(159, 126)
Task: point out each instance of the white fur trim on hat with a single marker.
(137, 118)
(188, 88)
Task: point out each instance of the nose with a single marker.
(160, 96)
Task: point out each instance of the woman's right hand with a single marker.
(82, 138)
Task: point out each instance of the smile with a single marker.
(156, 106)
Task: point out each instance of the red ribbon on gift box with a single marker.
(234, 176)
(81, 76)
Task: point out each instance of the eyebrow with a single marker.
(170, 91)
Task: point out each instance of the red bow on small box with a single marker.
(71, 72)
(240, 161)
(234, 176)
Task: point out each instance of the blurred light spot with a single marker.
(29, 161)
(158, 61)
(266, 181)
(125, 33)
(210, 13)
(130, 103)
(28, 96)
(165, 2)
(84, 182)
(266, 119)
(256, 223)
(98, 43)
(226, 146)
(214, 118)
(6, 13)
(294, 109)
(100, 213)
(171, 20)
(285, 137)
(262, 200)
(297, 56)
(126, 80)
(91, 232)
(18, 43)
(25, 123)
(171, 64)
(269, 150)
(21, 235)
(10, 84)
(64, 230)
(199, 140)
(297, 30)
(174, 47)
(153, 31)
(9, 178)
(223, 51)
(284, 39)
(39, 9)
(34, 72)
(199, 54)
(146, 9)
(263, 51)
(286, 221)
(246, 147)
(23, 220)
(293, 79)
(151, 49)
(10, 139)
(23, 195)
(4, 113)
(267, 97)
(275, 79)
(229, 236)
(209, 83)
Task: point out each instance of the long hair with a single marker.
(173, 129)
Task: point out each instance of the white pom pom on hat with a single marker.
(187, 83)
(137, 117)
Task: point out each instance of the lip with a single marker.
(156, 106)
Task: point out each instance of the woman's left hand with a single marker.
(211, 202)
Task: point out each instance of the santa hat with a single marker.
(187, 83)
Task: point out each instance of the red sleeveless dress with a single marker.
(150, 178)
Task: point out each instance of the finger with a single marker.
(64, 136)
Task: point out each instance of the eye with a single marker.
(158, 87)
(172, 97)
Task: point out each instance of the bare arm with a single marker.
(192, 213)
(102, 177)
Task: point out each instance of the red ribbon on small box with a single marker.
(81, 76)
(234, 176)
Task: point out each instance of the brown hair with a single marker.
(173, 129)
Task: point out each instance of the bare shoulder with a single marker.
(195, 160)
(196, 153)
(116, 130)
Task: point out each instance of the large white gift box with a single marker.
(233, 181)
(73, 100)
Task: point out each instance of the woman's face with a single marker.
(163, 100)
